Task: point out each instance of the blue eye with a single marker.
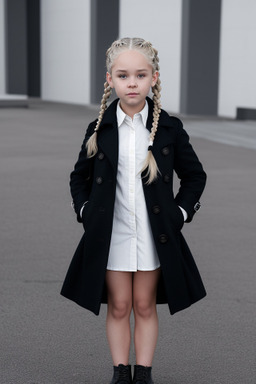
(122, 76)
(141, 75)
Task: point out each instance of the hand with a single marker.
(185, 215)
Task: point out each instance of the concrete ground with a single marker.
(46, 339)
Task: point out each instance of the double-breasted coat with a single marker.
(94, 180)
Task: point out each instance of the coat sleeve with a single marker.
(190, 172)
(81, 176)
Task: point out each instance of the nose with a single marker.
(132, 83)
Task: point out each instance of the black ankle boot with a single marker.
(122, 375)
(142, 375)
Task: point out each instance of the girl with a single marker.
(132, 254)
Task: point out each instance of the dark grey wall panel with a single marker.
(33, 48)
(104, 30)
(23, 47)
(200, 56)
(16, 46)
(246, 113)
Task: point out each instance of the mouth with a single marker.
(132, 94)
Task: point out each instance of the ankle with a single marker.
(142, 375)
(122, 374)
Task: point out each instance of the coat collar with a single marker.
(164, 118)
(109, 117)
(108, 135)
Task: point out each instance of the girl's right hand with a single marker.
(83, 213)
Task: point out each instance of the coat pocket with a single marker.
(85, 214)
(177, 217)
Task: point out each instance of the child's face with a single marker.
(132, 78)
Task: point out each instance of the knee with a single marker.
(119, 309)
(144, 308)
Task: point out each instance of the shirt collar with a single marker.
(121, 115)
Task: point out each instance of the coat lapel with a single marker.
(108, 135)
(164, 134)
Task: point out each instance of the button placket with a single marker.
(131, 194)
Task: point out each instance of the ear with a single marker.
(154, 78)
(109, 79)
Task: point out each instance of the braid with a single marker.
(91, 144)
(150, 162)
(150, 165)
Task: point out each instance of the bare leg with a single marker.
(119, 285)
(146, 320)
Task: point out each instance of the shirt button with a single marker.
(163, 238)
(99, 180)
(156, 209)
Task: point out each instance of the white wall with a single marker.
(237, 84)
(2, 48)
(160, 23)
(65, 33)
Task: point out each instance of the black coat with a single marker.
(94, 180)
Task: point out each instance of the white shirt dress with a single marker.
(132, 247)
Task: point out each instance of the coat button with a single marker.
(167, 178)
(99, 180)
(156, 209)
(163, 238)
(101, 156)
(165, 151)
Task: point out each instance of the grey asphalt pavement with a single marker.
(46, 339)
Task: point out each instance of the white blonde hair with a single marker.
(151, 55)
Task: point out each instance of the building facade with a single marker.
(55, 50)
